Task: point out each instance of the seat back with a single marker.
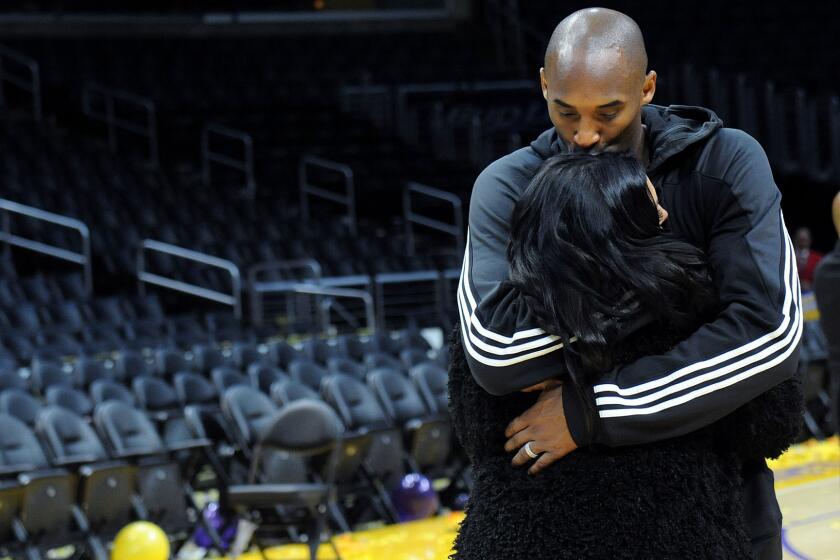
(431, 380)
(18, 445)
(68, 436)
(288, 390)
(106, 390)
(397, 395)
(206, 357)
(86, 371)
(376, 359)
(356, 405)
(169, 361)
(345, 365)
(192, 388)
(262, 376)
(21, 405)
(300, 435)
(130, 364)
(46, 374)
(226, 377)
(353, 347)
(11, 380)
(248, 411)
(307, 372)
(243, 354)
(127, 430)
(411, 357)
(154, 394)
(71, 399)
(281, 353)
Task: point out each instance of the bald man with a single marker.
(827, 290)
(717, 186)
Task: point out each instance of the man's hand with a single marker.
(545, 425)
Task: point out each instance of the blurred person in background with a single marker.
(806, 258)
(827, 291)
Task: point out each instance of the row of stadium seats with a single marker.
(393, 423)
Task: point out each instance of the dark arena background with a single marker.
(225, 224)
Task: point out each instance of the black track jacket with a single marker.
(718, 188)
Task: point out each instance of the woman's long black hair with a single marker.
(588, 252)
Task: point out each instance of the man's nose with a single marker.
(587, 137)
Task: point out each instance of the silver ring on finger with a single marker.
(530, 452)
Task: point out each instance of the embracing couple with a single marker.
(629, 325)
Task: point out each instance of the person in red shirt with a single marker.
(806, 259)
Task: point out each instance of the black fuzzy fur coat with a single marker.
(676, 499)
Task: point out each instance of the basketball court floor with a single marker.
(807, 484)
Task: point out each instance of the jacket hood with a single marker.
(668, 131)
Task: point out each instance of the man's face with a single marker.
(595, 103)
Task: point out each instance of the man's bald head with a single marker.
(835, 212)
(597, 39)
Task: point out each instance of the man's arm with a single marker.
(752, 345)
(505, 349)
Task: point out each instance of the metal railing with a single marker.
(245, 165)
(329, 302)
(411, 218)
(32, 86)
(7, 207)
(258, 288)
(411, 294)
(234, 299)
(114, 122)
(346, 199)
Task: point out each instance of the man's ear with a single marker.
(649, 87)
(543, 84)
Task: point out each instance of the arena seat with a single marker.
(262, 376)
(431, 381)
(193, 389)
(130, 364)
(293, 441)
(375, 360)
(105, 390)
(307, 372)
(413, 356)
(131, 435)
(226, 377)
(106, 486)
(20, 405)
(287, 390)
(339, 364)
(70, 399)
(207, 356)
(44, 515)
(427, 435)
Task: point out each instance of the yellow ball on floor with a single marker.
(141, 540)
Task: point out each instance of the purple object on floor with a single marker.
(415, 498)
(212, 514)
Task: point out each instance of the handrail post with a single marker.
(245, 165)
(84, 259)
(234, 299)
(348, 200)
(455, 229)
(148, 128)
(256, 299)
(33, 87)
